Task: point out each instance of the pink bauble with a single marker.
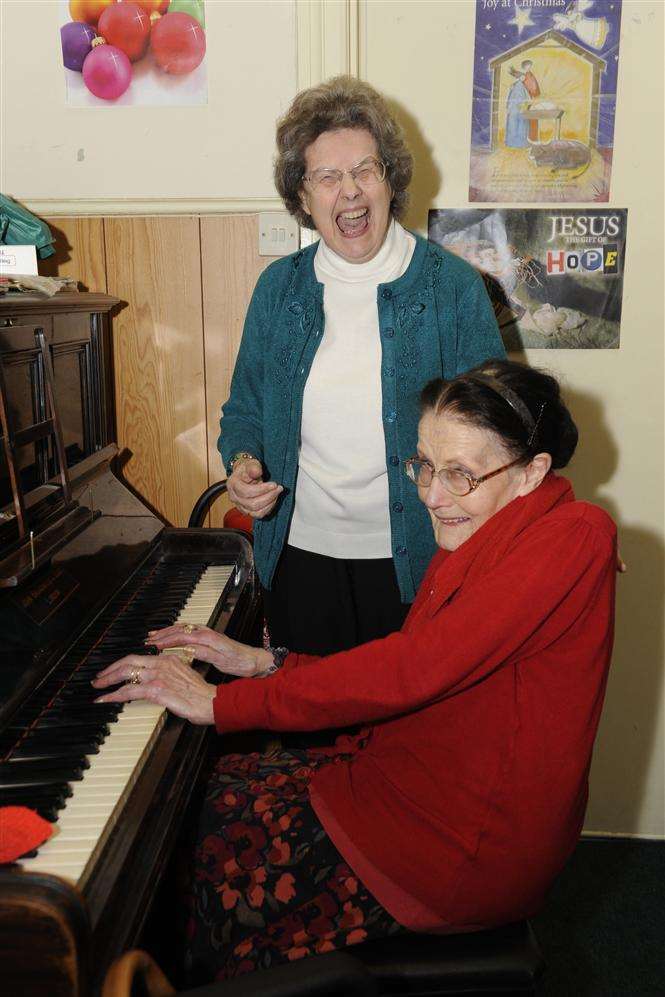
(178, 43)
(107, 72)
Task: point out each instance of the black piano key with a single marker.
(61, 756)
(53, 795)
(103, 711)
(59, 718)
(36, 781)
(14, 737)
(48, 806)
(76, 695)
(49, 812)
(23, 751)
(67, 733)
(32, 769)
(54, 741)
(69, 741)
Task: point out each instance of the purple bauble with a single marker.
(76, 39)
(107, 72)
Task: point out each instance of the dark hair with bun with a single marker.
(521, 405)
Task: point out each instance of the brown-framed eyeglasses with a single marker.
(454, 480)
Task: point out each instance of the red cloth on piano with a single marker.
(234, 519)
(470, 792)
(21, 830)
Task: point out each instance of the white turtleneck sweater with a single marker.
(341, 502)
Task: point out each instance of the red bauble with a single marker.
(178, 43)
(127, 26)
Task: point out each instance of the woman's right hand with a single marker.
(248, 492)
(227, 655)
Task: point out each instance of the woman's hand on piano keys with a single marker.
(227, 655)
(170, 681)
(164, 679)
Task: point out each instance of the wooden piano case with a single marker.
(76, 548)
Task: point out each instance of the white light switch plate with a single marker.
(278, 233)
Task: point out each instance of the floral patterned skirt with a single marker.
(268, 885)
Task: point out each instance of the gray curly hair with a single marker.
(342, 102)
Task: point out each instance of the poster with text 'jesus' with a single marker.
(544, 98)
(554, 275)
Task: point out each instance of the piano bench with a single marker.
(335, 974)
(505, 960)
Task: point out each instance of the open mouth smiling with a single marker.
(354, 222)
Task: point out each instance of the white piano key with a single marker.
(96, 809)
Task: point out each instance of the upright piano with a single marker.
(86, 570)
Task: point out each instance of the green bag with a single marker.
(18, 227)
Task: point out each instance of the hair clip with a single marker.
(532, 437)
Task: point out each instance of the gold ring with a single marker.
(184, 654)
(135, 676)
(189, 628)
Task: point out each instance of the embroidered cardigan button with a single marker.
(391, 416)
(389, 333)
(394, 460)
(398, 507)
(386, 293)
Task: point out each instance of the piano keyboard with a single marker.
(98, 797)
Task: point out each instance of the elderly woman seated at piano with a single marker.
(461, 790)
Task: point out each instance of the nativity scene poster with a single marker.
(544, 100)
(554, 275)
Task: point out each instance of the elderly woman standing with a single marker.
(339, 339)
(457, 804)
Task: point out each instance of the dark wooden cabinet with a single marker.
(77, 330)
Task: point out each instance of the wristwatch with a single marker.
(279, 656)
(241, 455)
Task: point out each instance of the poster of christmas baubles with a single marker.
(132, 53)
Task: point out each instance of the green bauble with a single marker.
(192, 7)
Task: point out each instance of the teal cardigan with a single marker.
(435, 321)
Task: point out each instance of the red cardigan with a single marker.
(469, 794)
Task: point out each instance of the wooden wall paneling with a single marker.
(153, 264)
(79, 252)
(230, 266)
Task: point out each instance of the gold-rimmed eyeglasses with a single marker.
(369, 172)
(454, 480)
